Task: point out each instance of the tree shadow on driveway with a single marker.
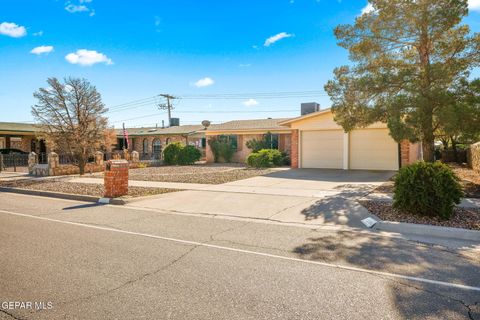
(341, 208)
(412, 299)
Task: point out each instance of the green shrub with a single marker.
(176, 153)
(188, 155)
(171, 152)
(265, 158)
(428, 189)
(222, 150)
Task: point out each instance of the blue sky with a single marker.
(137, 49)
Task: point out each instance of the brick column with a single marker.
(116, 178)
(404, 153)
(294, 149)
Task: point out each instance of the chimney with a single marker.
(309, 107)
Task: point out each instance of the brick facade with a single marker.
(294, 149)
(116, 178)
(404, 153)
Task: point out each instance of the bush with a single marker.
(221, 150)
(171, 152)
(188, 155)
(265, 158)
(176, 153)
(428, 189)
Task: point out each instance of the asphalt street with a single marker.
(76, 260)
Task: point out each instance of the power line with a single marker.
(222, 96)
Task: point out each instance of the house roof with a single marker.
(256, 124)
(18, 127)
(161, 131)
(307, 116)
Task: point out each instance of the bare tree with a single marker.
(72, 117)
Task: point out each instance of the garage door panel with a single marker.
(322, 149)
(373, 149)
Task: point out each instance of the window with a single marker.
(271, 140)
(231, 139)
(157, 146)
(145, 146)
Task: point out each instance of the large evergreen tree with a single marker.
(407, 55)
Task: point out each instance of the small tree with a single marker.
(406, 57)
(71, 115)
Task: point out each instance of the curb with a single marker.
(427, 230)
(65, 196)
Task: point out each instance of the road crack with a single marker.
(469, 307)
(132, 281)
(11, 315)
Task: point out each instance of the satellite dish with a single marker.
(206, 124)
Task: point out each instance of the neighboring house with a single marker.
(319, 142)
(149, 142)
(239, 132)
(20, 136)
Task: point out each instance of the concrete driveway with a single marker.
(308, 196)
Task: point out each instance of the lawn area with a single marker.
(200, 173)
(58, 185)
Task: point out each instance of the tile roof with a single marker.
(159, 131)
(256, 124)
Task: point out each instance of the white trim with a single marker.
(346, 149)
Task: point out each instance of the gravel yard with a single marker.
(461, 218)
(208, 174)
(78, 188)
(470, 181)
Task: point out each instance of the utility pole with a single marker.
(167, 106)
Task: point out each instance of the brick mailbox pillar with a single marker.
(116, 178)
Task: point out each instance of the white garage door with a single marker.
(322, 149)
(373, 149)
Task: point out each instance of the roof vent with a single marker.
(174, 122)
(309, 107)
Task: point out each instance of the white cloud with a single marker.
(80, 7)
(205, 82)
(12, 30)
(244, 65)
(72, 8)
(86, 57)
(42, 49)
(38, 34)
(474, 5)
(250, 103)
(276, 38)
(367, 9)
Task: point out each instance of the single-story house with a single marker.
(149, 142)
(239, 132)
(20, 136)
(319, 142)
(315, 140)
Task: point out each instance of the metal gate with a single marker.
(14, 162)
